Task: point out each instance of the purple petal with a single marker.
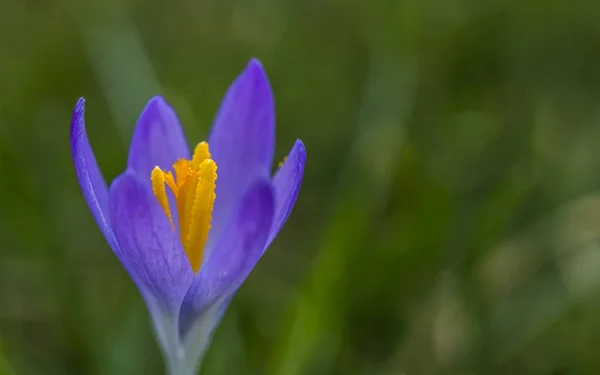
(89, 176)
(235, 254)
(151, 249)
(287, 182)
(158, 140)
(242, 140)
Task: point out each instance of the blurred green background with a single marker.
(449, 221)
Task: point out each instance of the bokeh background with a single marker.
(449, 221)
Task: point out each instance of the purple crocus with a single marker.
(189, 227)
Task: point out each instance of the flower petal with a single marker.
(242, 140)
(158, 140)
(89, 176)
(151, 249)
(287, 182)
(235, 254)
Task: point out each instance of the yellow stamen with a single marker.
(194, 189)
(170, 181)
(201, 153)
(158, 187)
(281, 163)
(201, 212)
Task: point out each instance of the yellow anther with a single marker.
(194, 189)
(201, 212)
(170, 181)
(182, 169)
(160, 192)
(201, 153)
(281, 163)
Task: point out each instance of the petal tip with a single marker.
(77, 123)
(262, 185)
(80, 103)
(300, 150)
(255, 63)
(78, 110)
(158, 106)
(157, 101)
(300, 146)
(255, 71)
(261, 192)
(124, 179)
(158, 138)
(156, 98)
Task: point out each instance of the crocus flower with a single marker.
(189, 227)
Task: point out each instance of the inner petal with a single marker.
(194, 189)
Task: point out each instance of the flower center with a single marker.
(194, 189)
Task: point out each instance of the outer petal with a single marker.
(287, 182)
(151, 249)
(158, 139)
(235, 255)
(242, 140)
(90, 178)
